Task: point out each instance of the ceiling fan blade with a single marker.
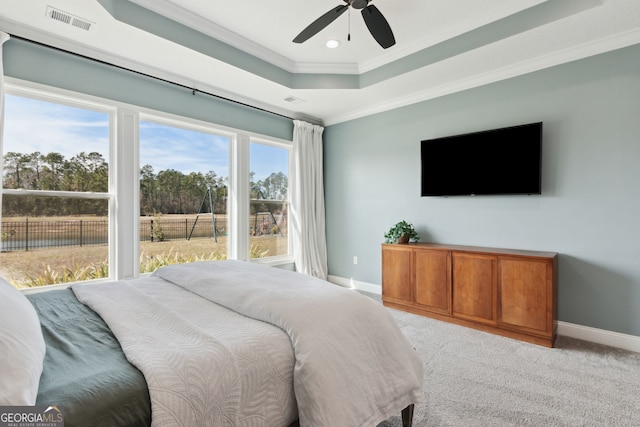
(316, 26)
(378, 26)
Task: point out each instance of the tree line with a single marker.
(166, 192)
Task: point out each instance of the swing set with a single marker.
(264, 227)
(208, 195)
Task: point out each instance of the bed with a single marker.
(218, 343)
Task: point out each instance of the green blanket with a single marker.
(85, 370)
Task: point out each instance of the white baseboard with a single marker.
(354, 284)
(600, 336)
(571, 330)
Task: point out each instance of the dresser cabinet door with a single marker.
(397, 274)
(433, 280)
(526, 294)
(475, 287)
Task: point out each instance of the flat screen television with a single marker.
(498, 161)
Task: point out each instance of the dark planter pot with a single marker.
(403, 239)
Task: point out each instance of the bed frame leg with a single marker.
(407, 416)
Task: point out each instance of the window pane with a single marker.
(40, 250)
(54, 147)
(51, 146)
(183, 178)
(268, 224)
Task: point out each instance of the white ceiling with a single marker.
(442, 46)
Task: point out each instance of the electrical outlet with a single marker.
(355, 260)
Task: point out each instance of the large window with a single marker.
(95, 189)
(55, 203)
(183, 194)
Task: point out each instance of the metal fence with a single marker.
(33, 234)
(153, 229)
(30, 234)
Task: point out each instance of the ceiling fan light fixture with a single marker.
(359, 4)
(333, 43)
(373, 18)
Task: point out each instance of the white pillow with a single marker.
(22, 348)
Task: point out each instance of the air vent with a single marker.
(69, 19)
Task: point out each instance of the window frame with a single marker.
(39, 92)
(124, 170)
(188, 124)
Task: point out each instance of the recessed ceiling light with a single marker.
(294, 100)
(333, 43)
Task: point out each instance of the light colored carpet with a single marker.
(473, 378)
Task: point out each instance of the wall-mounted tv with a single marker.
(498, 161)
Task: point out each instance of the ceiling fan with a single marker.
(375, 21)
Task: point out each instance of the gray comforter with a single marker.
(353, 366)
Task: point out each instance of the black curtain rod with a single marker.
(191, 89)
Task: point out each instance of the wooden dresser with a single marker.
(512, 293)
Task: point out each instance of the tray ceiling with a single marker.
(244, 50)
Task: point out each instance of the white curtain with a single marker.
(307, 201)
(3, 38)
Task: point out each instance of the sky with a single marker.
(31, 125)
(34, 125)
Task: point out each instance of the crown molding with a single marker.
(211, 29)
(410, 47)
(573, 53)
(325, 68)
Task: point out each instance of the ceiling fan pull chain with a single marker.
(349, 25)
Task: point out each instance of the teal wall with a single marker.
(589, 210)
(43, 65)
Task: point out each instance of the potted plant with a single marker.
(402, 232)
